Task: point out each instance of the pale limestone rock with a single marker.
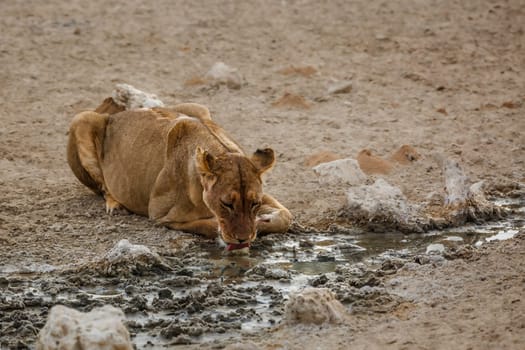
(341, 87)
(242, 346)
(131, 98)
(124, 250)
(124, 259)
(435, 248)
(456, 183)
(341, 171)
(314, 306)
(466, 202)
(379, 201)
(69, 329)
(223, 74)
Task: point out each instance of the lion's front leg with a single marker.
(166, 207)
(204, 227)
(273, 217)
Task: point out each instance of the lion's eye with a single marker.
(226, 205)
(256, 205)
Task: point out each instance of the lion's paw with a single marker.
(265, 217)
(112, 205)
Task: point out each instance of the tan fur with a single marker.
(178, 167)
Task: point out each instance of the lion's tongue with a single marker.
(233, 246)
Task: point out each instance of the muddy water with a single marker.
(212, 297)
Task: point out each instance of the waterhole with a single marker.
(212, 297)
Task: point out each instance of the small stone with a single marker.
(69, 329)
(511, 104)
(131, 98)
(165, 293)
(456, 183)
(306, 71)
(195, 81)
(442, 111)
(435, 248)
(314, 306)
(130, 289)
(126, 258)
(380, 202)
(182, 340)
(453, 239)
(224, 74)
(319, 281)
(341, 171)
(290, 100)
(325, 258)
(343, 87)
(242, 346)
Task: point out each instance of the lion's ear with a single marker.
(205, 161)
(263, 159)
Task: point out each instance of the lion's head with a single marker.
(232, 190)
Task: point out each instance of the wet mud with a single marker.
(200, 294)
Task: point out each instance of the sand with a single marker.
(447, 78)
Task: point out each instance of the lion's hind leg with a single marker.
(86, 136)
(84, 153)
(272, 216)
(111, 204)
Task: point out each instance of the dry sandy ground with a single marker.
(474, 303)
(447, 77)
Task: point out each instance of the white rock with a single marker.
(224, 74)
(131, 98)
(435, 248)
(466, 202)
(341, 171)
(380, 201)
(454, 239)
(125, 258)
(502, 235)
(102, 329)
(456, 183)
(242, 346)
(342, 87)
(124, 250)
(314, 306)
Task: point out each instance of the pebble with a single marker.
(435, 248)
(343, 87)
(224, 74)
(314, 306)
(165, 293)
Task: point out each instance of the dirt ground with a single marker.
(474, 303)
(447, 77)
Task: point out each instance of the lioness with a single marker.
(178, 167)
